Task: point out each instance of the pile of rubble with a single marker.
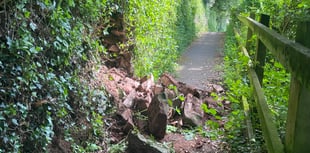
(149, 107)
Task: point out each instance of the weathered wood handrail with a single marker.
(294, 56)
(270, 132)
(286, 51)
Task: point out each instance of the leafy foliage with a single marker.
(284, 16)
(45, 48)
(161, 30)
(238, 84)
(49, 50)
(218, 14)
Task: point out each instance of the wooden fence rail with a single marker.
(269, 129)
(294, 56)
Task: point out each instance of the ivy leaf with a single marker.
(9, 42)
(27, 14)
(93, 147)
(5, 139)
(105, 32)
(33, 26)
(33, 50)
(2, 118)
(14, 121)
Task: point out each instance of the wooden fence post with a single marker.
(260, 54)
(248, 109)
(298, 118)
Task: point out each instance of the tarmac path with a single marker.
(201, 63)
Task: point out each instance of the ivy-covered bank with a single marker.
(49, 50)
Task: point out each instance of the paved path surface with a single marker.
(200, 64)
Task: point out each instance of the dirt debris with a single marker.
(196, 144)
(138, 104)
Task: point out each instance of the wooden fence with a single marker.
(294, 56)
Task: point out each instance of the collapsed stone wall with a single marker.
(151, 106)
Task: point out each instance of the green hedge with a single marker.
(162, 30)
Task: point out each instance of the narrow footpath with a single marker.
(200, 64)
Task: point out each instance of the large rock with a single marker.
(158, 116)
(116, 82)
(126, 114)
(137, 143)
(217, 88)
(157, 89)
(141, 104)
(192, 112)
(142, 101)
(146, 84)
(167, 80)
(129, 100)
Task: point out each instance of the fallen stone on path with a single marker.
(192, 112)
(168, 80)
(128, 102)
(126, 114)
(158, 116)
(217, 88)
(151, 106)
(137, 143)
(117, 83)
